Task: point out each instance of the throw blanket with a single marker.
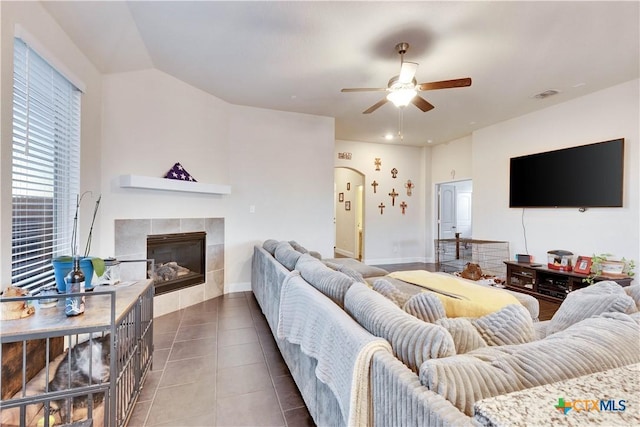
(460, 298)
(343, 348)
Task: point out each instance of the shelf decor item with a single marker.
(340, 197)
(347, 205)
(583, 265)
(606, 265)
(378, 163)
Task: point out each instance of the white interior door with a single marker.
(447, 211)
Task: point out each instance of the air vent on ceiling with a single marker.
(546, 94)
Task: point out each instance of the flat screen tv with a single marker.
(583, 177)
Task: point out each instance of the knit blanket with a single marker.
(459, 297)
(343, 349)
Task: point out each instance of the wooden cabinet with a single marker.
(545, 283)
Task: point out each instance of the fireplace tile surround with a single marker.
(131, 244)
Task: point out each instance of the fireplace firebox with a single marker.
(179, 260)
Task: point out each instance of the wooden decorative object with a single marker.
(403, 206)
(341, 197)
(347, 205)
(409, 186)
(348, 186)
(381, 206)
(394, 173)
(374, 184)
(393, 195)
(378, 163)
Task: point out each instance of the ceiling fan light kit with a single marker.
(402, 97)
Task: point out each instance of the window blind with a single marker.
(45, 167)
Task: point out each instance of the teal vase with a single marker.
(61, 267)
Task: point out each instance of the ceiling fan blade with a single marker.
(445, 84)
(407, 72)
(375, 106)
(364, 89)
(422, 103)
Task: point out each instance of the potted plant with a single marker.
(63, 264)
(606, 265)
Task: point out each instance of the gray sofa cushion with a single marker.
(413, 341)
(367, 271)
(331, 283)
(581, 349)
(633, 292)
(602, 297)
(286, 255)
(383, 287)
(465, 335)
(425, 306)
(270, 246)
(357, 277)
(511, 325)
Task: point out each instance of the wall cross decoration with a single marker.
(378, 163)
(381, 206)
(409, 186)
(394, 173)
(403, 206)
(374, 184)
(393, 195)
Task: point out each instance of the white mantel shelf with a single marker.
(154, 183)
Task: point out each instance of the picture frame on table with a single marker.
(583, 265)
(341, 197)
(347, 205)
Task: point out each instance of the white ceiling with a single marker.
(296, 56)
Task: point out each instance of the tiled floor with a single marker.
(217, 364)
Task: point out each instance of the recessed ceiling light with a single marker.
(546, 94)
(429, 141)
(472, 123)
(388, 136)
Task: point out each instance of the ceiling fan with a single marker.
(403, 88)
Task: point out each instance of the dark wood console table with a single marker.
(548, 284)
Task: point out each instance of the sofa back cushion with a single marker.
(511, 325)
(413, 341)
(331, 283)
(270, 245)
(602, 297)
(592, 345)
(286, 255)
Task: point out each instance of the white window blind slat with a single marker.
(45, 170)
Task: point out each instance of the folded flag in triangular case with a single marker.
(178, 172)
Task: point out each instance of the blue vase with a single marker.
(62, 268)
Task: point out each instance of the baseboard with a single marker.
(237, 287)
(348, 254)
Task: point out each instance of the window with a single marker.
(45, 169)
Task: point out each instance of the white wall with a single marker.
(279, 163)
(39, 24)
(454, 161)
(608, 114)
(392, 237)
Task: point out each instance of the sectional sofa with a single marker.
(365, 351)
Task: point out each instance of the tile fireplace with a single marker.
(131, 240)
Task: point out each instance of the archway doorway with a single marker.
(349, 213)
